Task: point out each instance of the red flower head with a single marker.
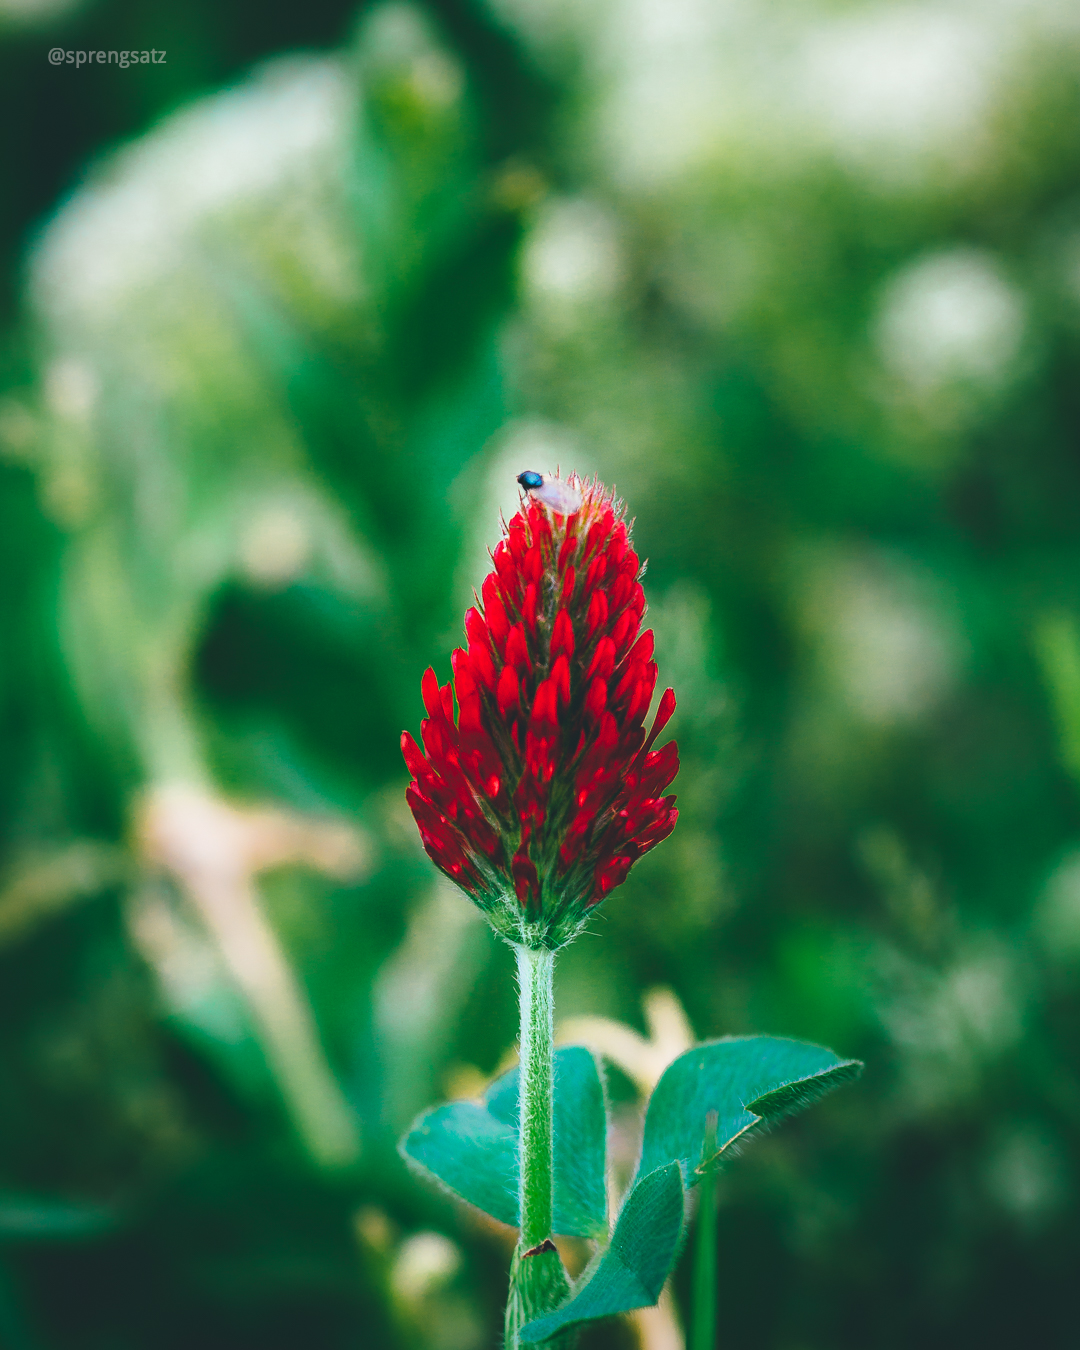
(547, 790)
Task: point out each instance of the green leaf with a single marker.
(474, 1155)
(471, 1147)
(580, 1145)
(748, 1081)
(631, 1272)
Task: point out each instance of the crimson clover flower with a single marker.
(542, 795)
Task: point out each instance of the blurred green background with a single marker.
(282, 317)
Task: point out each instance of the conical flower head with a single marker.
(546, 789)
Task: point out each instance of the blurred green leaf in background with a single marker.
(283, 317)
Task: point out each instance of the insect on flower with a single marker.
(552, 492)
(540, 796)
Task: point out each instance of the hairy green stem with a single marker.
(538, 1282)
(535, 983)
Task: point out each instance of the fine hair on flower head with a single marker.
(546, 790)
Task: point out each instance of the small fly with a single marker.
(551, 492)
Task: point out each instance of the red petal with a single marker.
(622, 634)
(476, 629)
(533, 567)
(659, 768)
(540, 754)
(545, 709)
(597, 616)
(632, 673)
(508, 692)
(517, 650)
(607, 737)
(526, 882)
(505, 567)
(603, 662)
(516, 539)
(539, 524)
(483, 666)
(642, 650)
(489, 591)
(429, 691)
(530, 802)
(599, 532)
(562, 634)
(414, 756)
(495, 617)
(619, 592)
(596, 698)
(663, 716)
(641, 698)
(560, 677)
(609, 875)
(528, 609)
